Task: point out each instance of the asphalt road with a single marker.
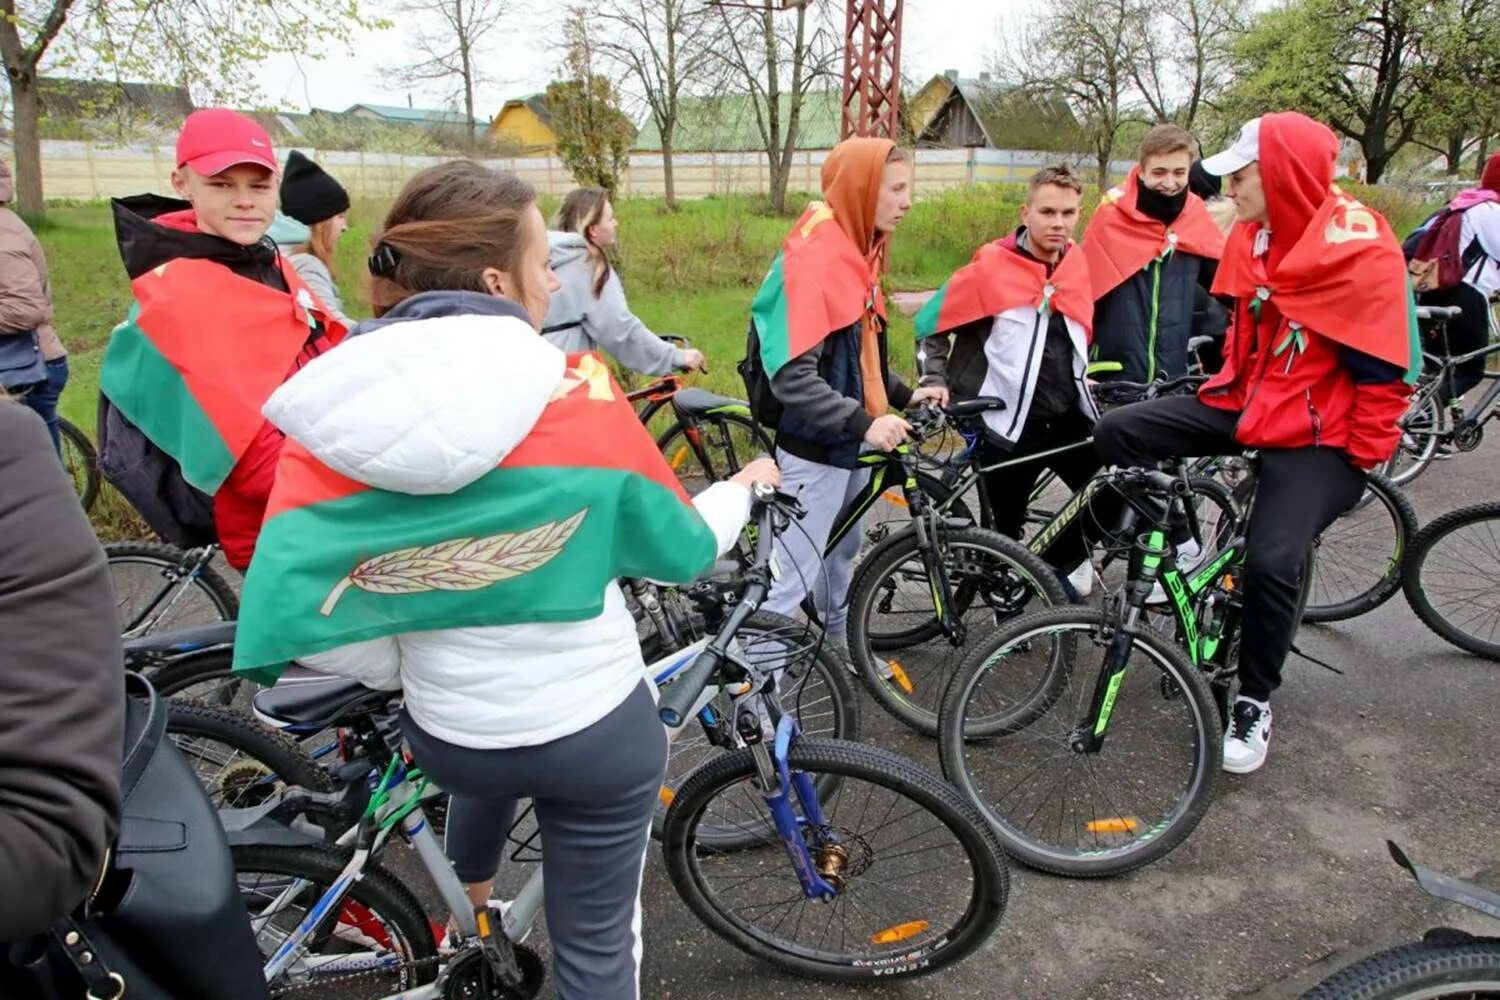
(1286, 879)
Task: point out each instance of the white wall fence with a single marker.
(87, 171)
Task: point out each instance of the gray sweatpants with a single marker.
(823, 490)
(595, 792)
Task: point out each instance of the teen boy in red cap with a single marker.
(220, 321)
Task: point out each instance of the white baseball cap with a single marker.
(1245, 151)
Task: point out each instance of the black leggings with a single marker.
(1299, 493)
(595, 792)
(1466, 334)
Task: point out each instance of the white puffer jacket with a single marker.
(428, 406)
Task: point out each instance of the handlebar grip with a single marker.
(677, 700)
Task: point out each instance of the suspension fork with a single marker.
(925, 524)
(778, 785)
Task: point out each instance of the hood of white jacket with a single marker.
(425, 406)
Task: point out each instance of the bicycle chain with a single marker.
(323, 982)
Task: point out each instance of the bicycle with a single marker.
(327, 916)
(80, 459)
(159, 586)
(1025, 724)
(1450, 578)
(1447, 963)
(1433, 425)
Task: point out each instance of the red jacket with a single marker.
(1321, 343)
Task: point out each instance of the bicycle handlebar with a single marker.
(1127, 392)
(1440, 313)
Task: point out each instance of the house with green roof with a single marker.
(726, 123)
(427, 117)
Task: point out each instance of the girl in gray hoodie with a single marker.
(589, 312)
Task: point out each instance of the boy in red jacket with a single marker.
(220, 321)
(1317, 370)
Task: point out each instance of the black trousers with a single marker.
(1468, 333)
(1009, 488)
(1300, 492)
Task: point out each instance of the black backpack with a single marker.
(764, 406)
(151, 480)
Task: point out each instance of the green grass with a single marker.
(691, 272)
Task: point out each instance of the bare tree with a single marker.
(1180, 57)
(778, 55)
(211, 45)
(448, 41)
(662, 48)
(1088, 53)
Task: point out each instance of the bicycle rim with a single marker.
(711, 450)
(1358, 566)
(1080, 813)
(144, 592)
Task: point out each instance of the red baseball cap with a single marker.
(215, 139)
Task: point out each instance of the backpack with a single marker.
(764, 406)
(151, 480)
(1434, 259)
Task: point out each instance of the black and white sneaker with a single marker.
(1248, 736)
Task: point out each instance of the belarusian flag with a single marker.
(198, 356)
(998, 279)
(584, 499)
(819, 283)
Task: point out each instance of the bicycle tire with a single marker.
(82, 468)
(1416, 593)
(1422, 424)
(177, 676)
(1380, 492)
(221, 597)
(679, 454)
(1417, 972)
(829, 670)
(954, 737)
(377, 890)
(259, 753)
(988, 882)
(873, 580)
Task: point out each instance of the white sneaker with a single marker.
(1248, 737)
(1082, 578)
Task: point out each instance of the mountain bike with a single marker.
(1452, 578)
(1089, 741)
(162, 587)
(845, 814)
(1447, 963)
(1432, 424)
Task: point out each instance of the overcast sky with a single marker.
(939, 35)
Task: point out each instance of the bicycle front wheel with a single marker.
(896, 637)
(80, 461)
(152, 594)
(1358, 567)
(1418, 972)
(921, 881)
(1056, 805)
(712, 450)
(1452, 578)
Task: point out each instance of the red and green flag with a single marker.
(998, 279)
(584, 499)
(1344, 279)
(1121, 239)
(198, 356)
(817, 284)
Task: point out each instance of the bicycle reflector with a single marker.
(899, 676)
(900, 932)
(1113, 824)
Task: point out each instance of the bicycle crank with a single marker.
(469, 977)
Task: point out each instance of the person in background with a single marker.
(588, 311)
(314, 214)
(1211, 189)
(26, 304)
(62, 692)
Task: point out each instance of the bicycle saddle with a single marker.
(701, 402)
(182, 640)
(974, 407)
(304, 697)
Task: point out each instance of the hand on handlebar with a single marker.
(937, 394)
(694, 361)
(887, 432)
(760, 470)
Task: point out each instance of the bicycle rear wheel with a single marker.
(1358, 567)
(81, 461)
(1421, 433)
(896, 640)
(1452, 578)
(153, 594)
(239, 762)
(715, 449)
(1418, 972)
(1064, 810)
(379, 926)
(921, 880)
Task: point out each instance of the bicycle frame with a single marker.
(179, 579)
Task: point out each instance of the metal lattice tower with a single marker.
(872, 69)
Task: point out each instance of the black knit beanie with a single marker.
(308, 193)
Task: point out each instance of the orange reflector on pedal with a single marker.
(679, 458)
(892, 497)
(900, 932)
(1228, 582)
(482, 918)
(666, 795)
(1113, 824)
(899, 676)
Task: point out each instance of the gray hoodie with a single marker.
(577, 321)
(287, 233)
